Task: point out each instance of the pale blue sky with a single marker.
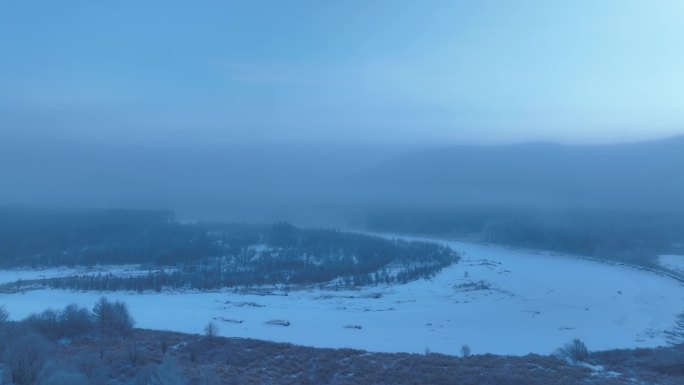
(352, 71)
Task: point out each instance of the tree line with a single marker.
(633, 237)
(293, 256)
(205, 255)
(29, 345)
(53, 237)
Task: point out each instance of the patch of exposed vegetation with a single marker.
(473, 286)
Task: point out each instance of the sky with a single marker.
(584, 71)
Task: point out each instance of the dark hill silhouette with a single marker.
(637, 176)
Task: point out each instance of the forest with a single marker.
(211, 256)
(623, 236)
(33, 237)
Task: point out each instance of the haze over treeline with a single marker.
(335, 184)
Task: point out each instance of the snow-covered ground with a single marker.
(496, 300)
(7, 276)
(672, 262)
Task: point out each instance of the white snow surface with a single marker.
(13, 275)
(535, 303)
(672, 262)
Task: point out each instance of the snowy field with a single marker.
(29, 274)
(496, 300)
(672, 262)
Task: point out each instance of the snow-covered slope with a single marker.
(496, 300)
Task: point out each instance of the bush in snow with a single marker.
(70, 322)
(575, 350)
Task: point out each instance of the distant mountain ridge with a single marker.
(319, 183)
(640, 176)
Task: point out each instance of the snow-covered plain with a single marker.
(13, 275)
(674, 263)
(496, 300)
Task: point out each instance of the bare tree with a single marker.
(575, 350)
(211, 330)
(45, 322)
(676, 335)
(123, 322)
(102, 313)
(4, 315)
(74, 320)
(112, 318)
